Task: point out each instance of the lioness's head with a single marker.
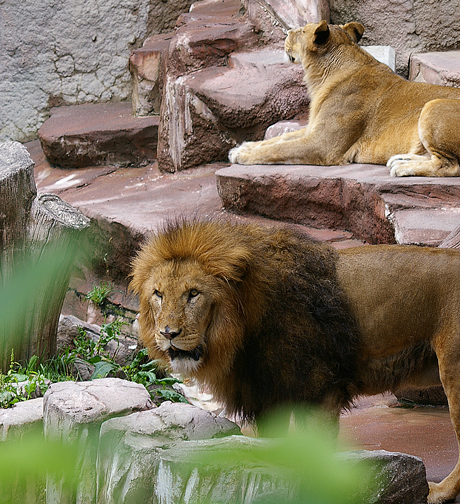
(318, 38)
(187, 278)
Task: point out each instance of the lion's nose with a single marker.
(170, 334)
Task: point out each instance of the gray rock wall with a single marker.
(408, 26)
(56, 52)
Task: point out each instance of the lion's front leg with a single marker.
(296, 147)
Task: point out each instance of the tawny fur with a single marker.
(362, 112)
(268, 317)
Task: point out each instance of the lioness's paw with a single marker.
(241, 154)
(406, 165)
(233, 155)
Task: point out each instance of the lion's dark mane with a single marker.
(306, 345)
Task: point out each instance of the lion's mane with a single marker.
(282, 332)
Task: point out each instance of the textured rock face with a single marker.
(147, 67)
(363, 199)
(274, 17)
(407, 26)
(207, 112)
(70, 52)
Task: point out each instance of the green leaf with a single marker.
(171, 395)
(103, 368)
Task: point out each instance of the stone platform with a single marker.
(362, 199)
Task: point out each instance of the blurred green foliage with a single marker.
(305, 458)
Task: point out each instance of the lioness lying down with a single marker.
(362, 112)
(267, 317)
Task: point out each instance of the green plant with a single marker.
(143, 371)
(21, 383)
(99, 294)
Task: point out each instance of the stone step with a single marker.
(362, 199)
(436, 68)
(99, 134)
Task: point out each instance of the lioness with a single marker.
(362, 112)
(267, 317)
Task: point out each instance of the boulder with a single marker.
(98, 134)
(397, 477)
(21, 418)
(70, 405)
(73, 412)
(121, 350)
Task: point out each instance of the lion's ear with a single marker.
(321, 33)
(355, 30)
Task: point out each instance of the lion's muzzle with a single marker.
(195, 354)
(170, 334)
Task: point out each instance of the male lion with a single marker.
(267, 317)
(362, 112)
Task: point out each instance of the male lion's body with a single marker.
(362, 112)
(268, 317)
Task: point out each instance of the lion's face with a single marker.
(180, 298)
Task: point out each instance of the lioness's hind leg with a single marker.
(439, 132)
(449, 369)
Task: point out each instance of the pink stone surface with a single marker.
(441, 68)
(96, 134)
(363, 199)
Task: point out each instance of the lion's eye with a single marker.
(193, 293)
(158, 294)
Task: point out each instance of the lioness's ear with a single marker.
(355, 30)
(321, 33)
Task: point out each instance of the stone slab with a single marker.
(362, 199)
(384, 54)
(99, 134)
(441, 68)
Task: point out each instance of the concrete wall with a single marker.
(55, 52)
(409, 26)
